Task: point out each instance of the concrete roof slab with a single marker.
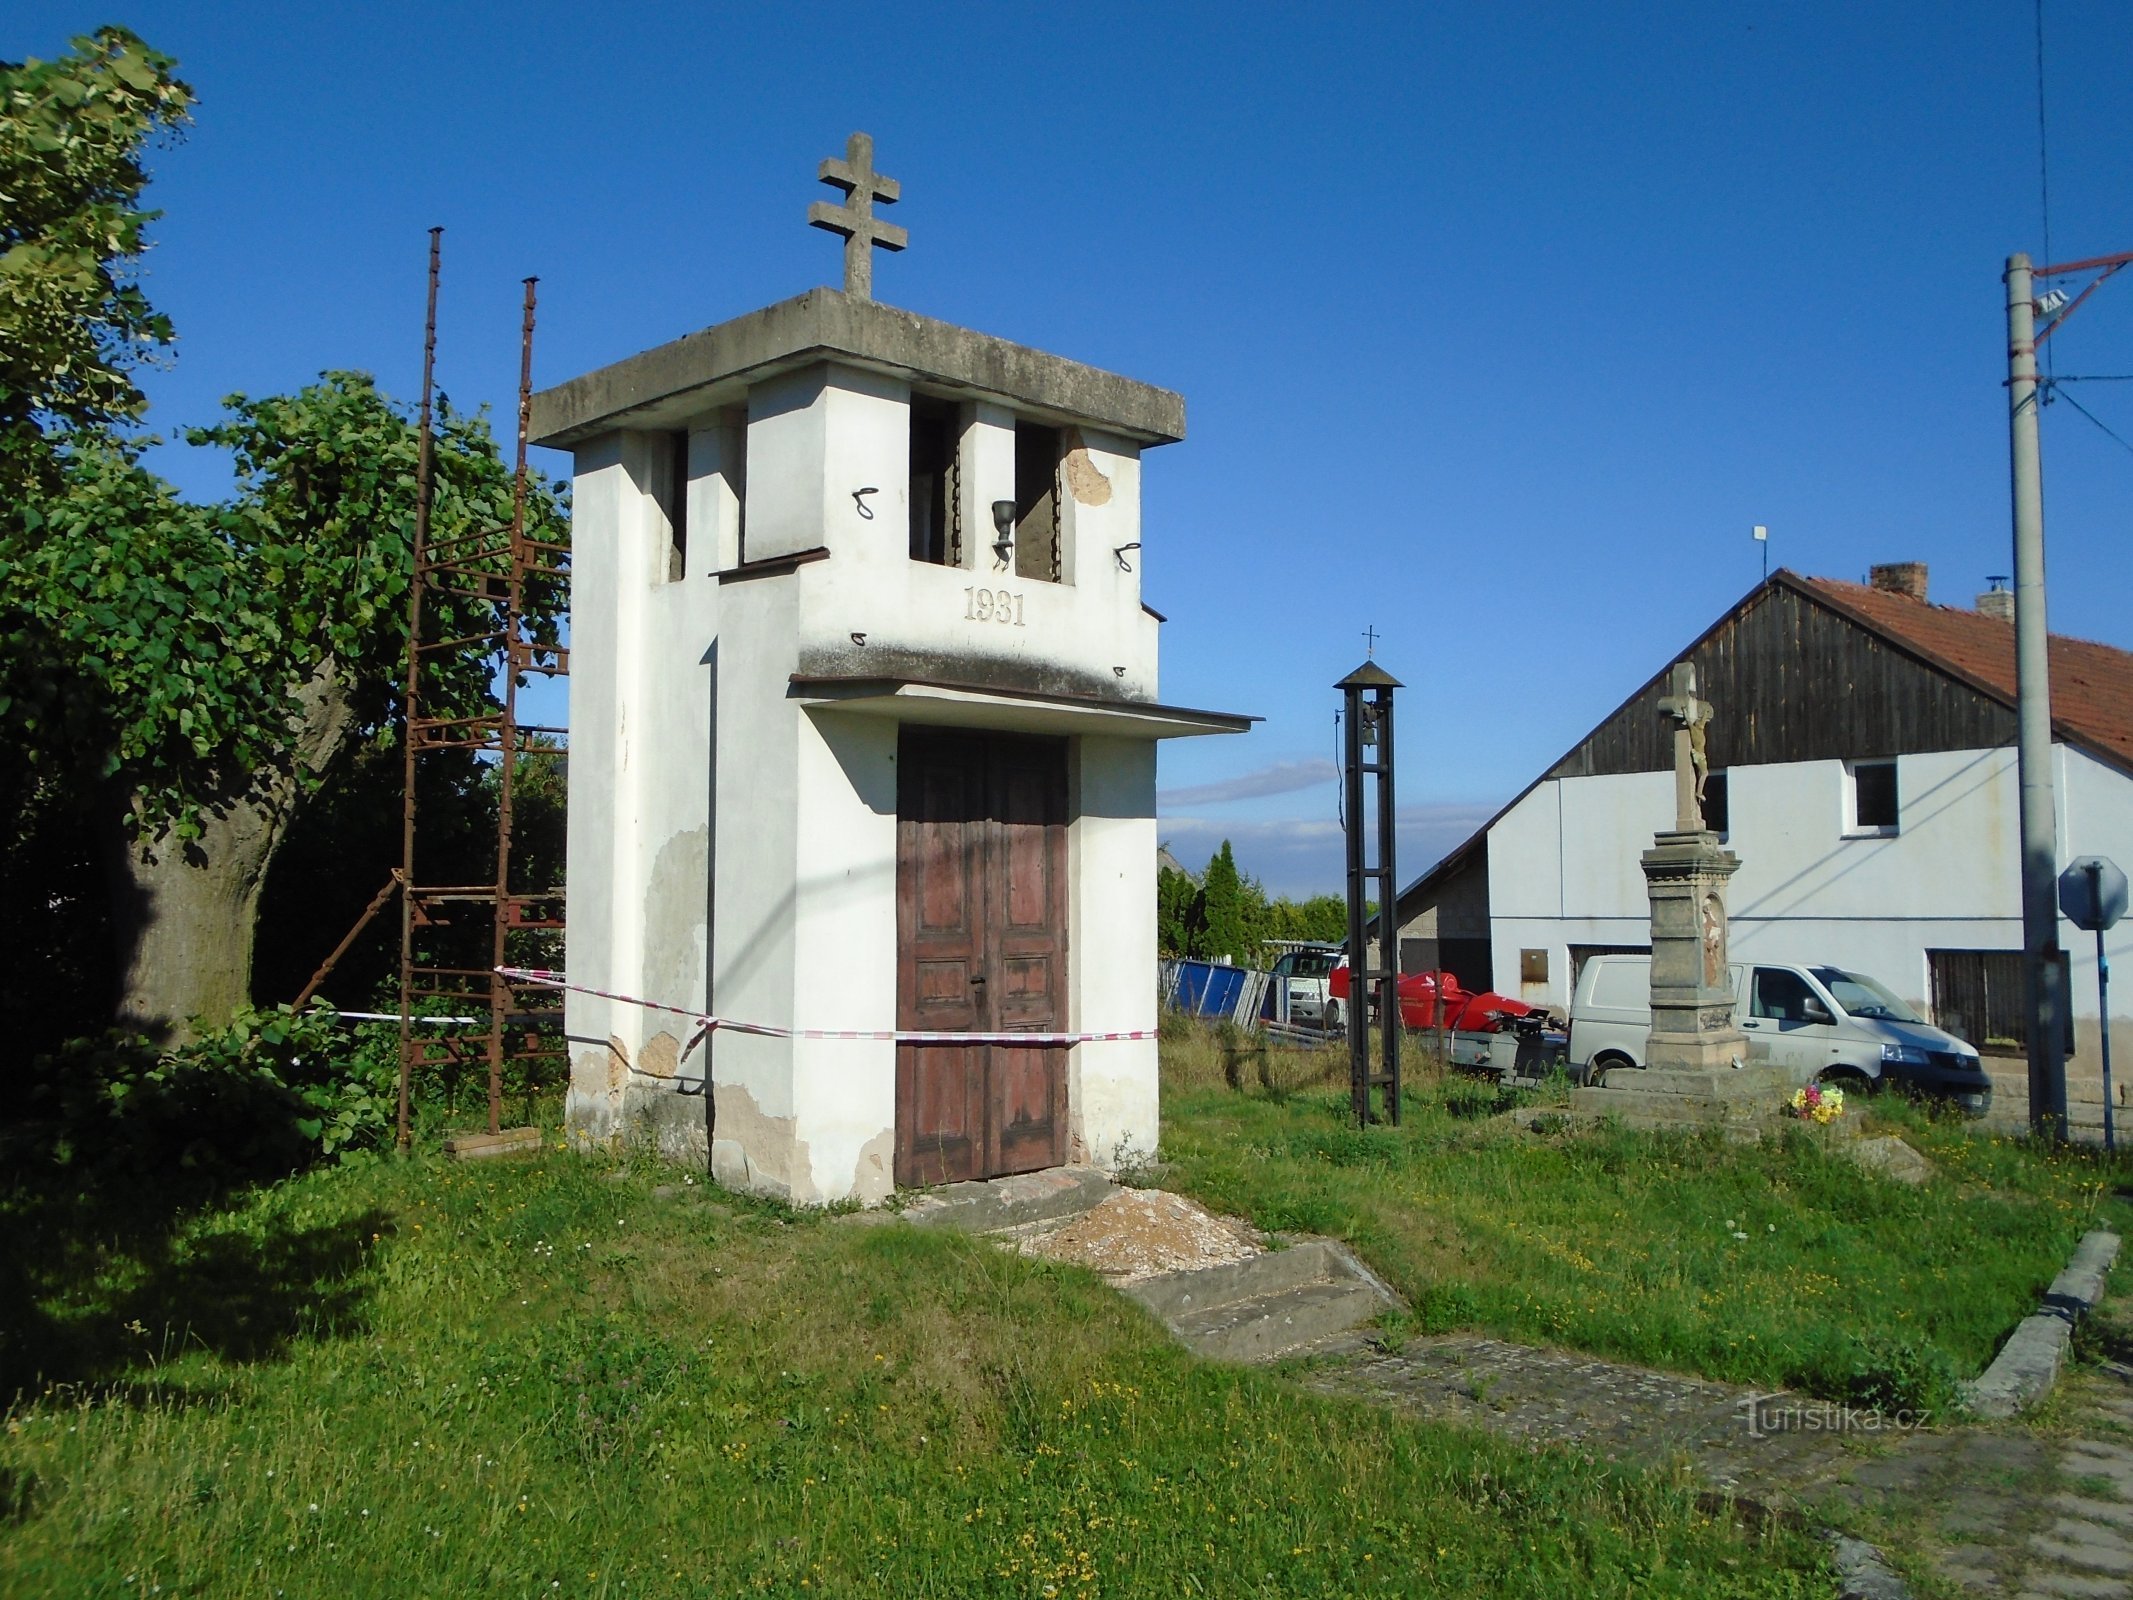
(666, 386)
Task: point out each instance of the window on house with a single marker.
(1716, 811)
(1037, 553)
(1978, 996)
(933, 466)
(1871, 797)
(673, 500)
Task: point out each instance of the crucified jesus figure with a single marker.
(1692, 762)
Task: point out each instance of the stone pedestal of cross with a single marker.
(855, 219)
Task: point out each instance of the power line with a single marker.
(2086, 412)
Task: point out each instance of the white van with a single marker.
(1821, 1024)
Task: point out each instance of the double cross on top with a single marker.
(862, 186)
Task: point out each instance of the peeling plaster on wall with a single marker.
(759, 1153)
(1084, 479)
(589, 1109)
(588, 1073)
(674, 918)
(618, 1066)
(873, 1179)
(660, 1055)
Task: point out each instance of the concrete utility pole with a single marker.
(2043, 977)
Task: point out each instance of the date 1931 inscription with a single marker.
(993, 605)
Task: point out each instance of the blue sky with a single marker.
(1498, 326)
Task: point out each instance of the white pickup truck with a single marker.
(1299, 984)
(1820, 1023)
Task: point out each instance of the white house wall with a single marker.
(602, 936)
(1111, 957)
(756, 856)
(639, 834)
(844, 954)
(1563, 869)
(788, 421)
(2096, 819)
(1555, 878)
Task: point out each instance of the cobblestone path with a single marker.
(2026, 1512)
(2042, 1508)
(1730, 1438)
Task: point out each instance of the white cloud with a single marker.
(1300, 857)
(1283, 777)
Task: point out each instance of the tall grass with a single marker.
(548, 1377)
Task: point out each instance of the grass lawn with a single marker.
(1777, 1263)
(535, 1377)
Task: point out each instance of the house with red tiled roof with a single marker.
(1862, 759)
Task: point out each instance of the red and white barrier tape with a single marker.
(706, 1024)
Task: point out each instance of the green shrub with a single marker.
(347, 1092)
(269, 1094)
(1890, 1372)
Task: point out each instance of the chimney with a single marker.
(1997, 602)
(1907, 578)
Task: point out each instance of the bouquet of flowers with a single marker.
(1817, 1104)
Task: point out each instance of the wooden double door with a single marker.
(981, 923)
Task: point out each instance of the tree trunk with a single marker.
(183, 910)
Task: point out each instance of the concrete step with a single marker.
(1268, 1305)
(1015, 1203)
(1742, 1118)
(1178, 1294)
(1270, 1325)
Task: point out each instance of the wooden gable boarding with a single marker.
(1794, 679)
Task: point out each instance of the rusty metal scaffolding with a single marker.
(454, 937)
(440, 923)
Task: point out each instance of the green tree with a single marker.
(73, 324)
(1225, 908)
(1322, 916)
(175, 679)
(1180, 913)
(192, 672)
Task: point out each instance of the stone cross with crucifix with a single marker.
(862, 186)
(1692, 763)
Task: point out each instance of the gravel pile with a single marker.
(1137, 1233)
